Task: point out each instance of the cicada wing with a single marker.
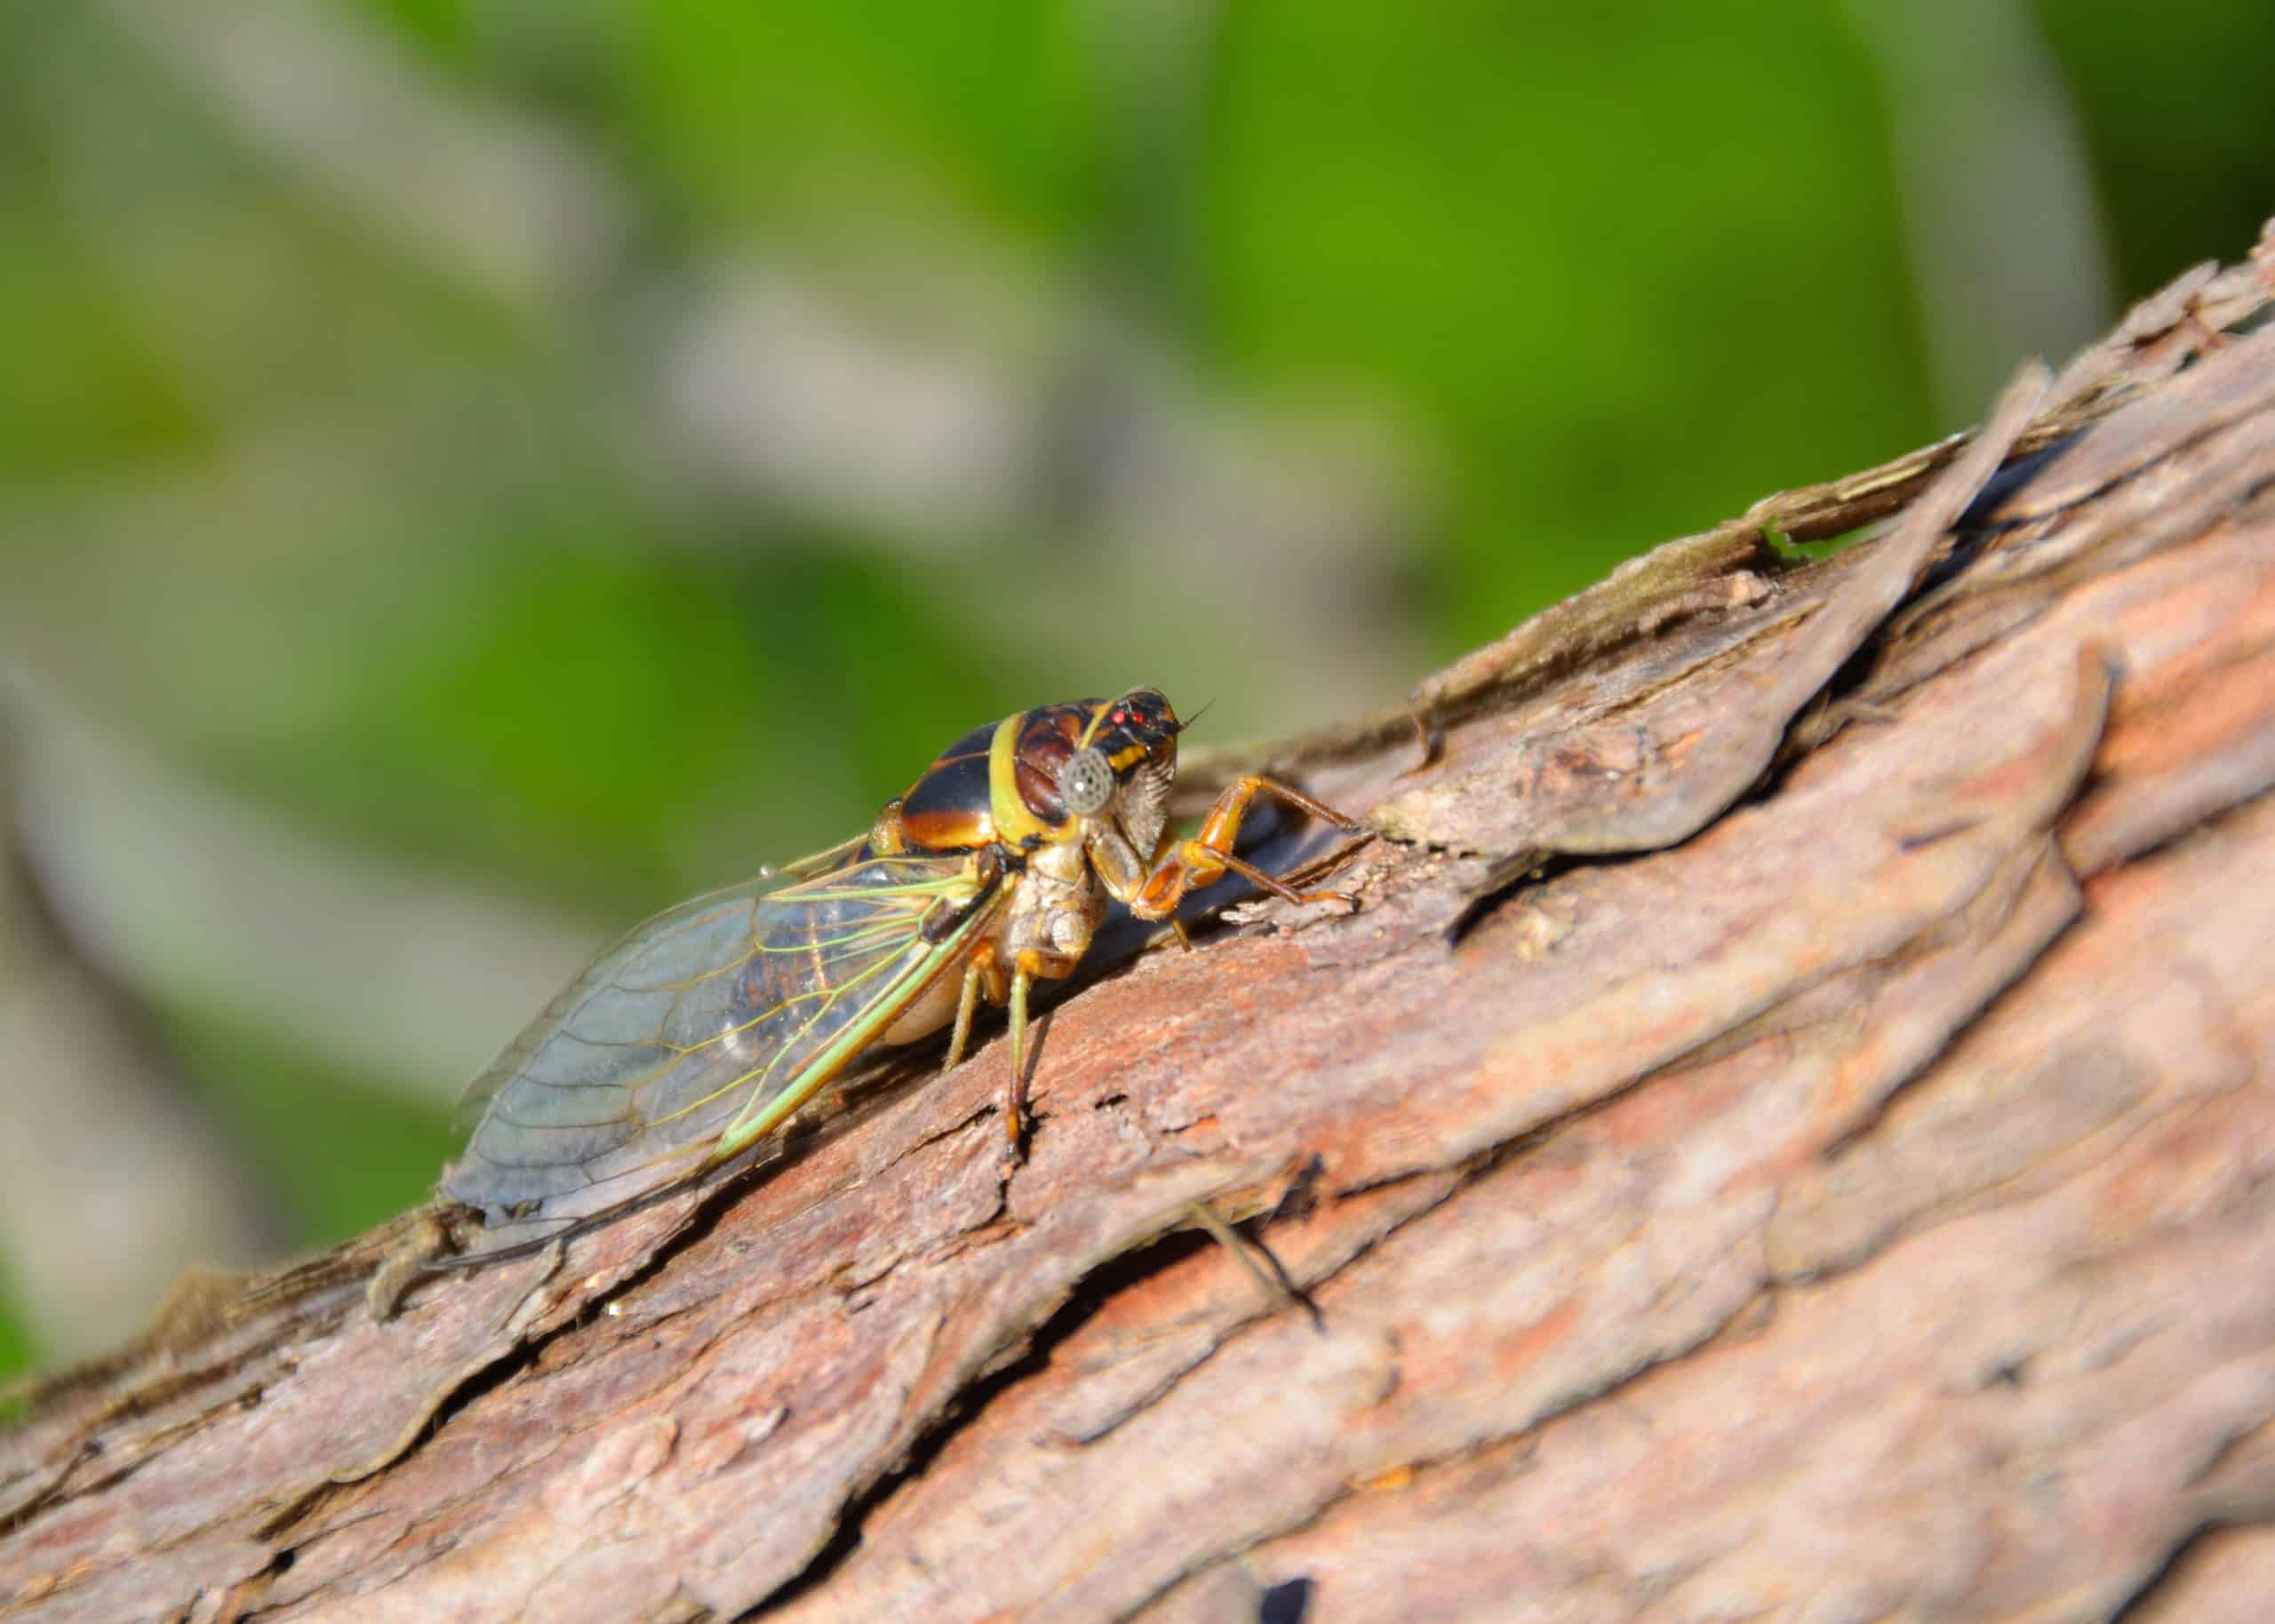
(725, 1007)
(474, 1099)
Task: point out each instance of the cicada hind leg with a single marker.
(983, 974)
(1207, 856)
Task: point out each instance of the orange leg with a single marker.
(1208, 857)
(1161, 850)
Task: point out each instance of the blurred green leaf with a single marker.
(341, 1150)
(16, 1350)
(2173, 104)
(1605, 268)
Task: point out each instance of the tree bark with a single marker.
(1788, 1131)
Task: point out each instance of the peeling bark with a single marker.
(1787, 1133)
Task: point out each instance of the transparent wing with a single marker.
(474, 1099)
(728, 1009)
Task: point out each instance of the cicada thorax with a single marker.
(986, 812)
(997, 785)
(1003, 793)
(1002, 783)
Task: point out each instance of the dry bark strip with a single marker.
(1787, 1134)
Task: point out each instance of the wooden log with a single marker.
(1788, 1132)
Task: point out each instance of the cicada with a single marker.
(702, 1030)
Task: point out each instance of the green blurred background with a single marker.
(473, 472)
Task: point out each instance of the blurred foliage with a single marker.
(2173, 105)
(15, 1348)
(335, 1163)
(347, 511)
(1518, 238)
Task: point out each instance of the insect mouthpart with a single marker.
(1146, 802)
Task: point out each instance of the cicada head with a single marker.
(1124, 764)
(1047, 775)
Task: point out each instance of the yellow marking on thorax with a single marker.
(1014, 824)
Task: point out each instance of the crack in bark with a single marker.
(1423, 1465)
(1090, 1296)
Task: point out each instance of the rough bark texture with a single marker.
(1787, 1134)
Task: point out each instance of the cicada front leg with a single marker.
(1207, 856)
